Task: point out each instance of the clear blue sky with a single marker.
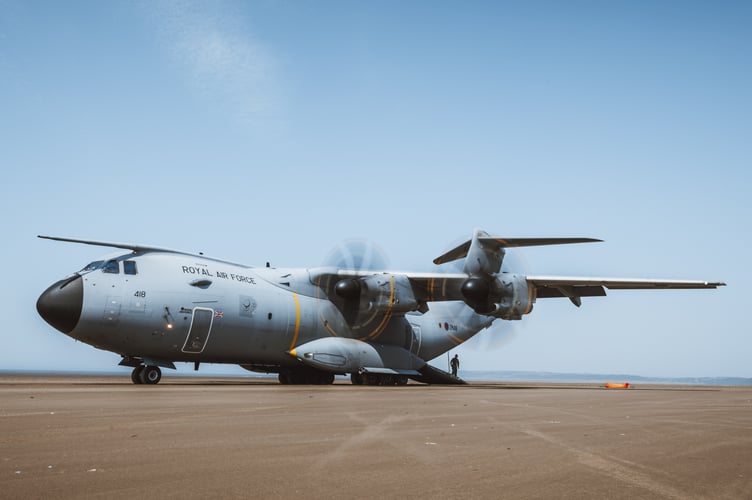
(274, 130)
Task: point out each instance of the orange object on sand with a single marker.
(612, 385)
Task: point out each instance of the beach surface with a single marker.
(197, 437)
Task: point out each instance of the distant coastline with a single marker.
(469, 375)
(524, 376)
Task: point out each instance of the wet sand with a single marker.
(102, 437)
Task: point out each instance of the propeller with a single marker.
(476, 291)
(502, 332)
(356, 255)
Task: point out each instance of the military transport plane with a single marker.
(156, 306)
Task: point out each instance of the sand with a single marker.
(103, 437)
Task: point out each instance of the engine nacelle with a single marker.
(387, 292)
(512, 298)
(505, 296)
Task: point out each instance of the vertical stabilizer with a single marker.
(485, 255)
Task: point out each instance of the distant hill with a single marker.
(522, 376)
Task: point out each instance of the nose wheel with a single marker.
(146, 375)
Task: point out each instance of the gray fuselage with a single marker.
(174, 307)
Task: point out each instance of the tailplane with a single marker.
(484, 254)
(486, 289)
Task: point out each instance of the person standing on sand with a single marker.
(455, 363)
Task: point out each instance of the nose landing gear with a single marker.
(146, 375)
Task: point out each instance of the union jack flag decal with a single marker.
(219, 314)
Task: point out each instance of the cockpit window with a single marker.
(111, 267)
(129, 266)
(93, 266)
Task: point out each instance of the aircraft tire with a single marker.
(151, 375)
(306, 377)
(401, 380)
(136, 374)
(356, 378)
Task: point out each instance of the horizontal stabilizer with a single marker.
(460, 251)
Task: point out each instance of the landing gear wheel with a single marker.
(356, 378)
(306, 376)
(136, 374)
(151, 375)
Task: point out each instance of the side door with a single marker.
(199, 331)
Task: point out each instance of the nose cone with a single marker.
(60, 305)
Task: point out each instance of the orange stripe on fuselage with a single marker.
(387, 316)
(455, 339)
(297, 321)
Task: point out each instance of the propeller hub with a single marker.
(476, 291)
(347, 289)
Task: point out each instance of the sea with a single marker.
(468, 375)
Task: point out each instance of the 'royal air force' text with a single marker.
(218, 274)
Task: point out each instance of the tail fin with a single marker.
(484, 254)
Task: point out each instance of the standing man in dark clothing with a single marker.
(455, 365)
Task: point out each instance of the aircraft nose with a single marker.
(60, 305)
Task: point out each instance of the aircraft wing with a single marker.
(427, 287)
(430, 287)
(576, 287)
(136, 248)
(125, 246)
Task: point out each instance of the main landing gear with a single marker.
(146, 375)
(377, 379)
(307, 377)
